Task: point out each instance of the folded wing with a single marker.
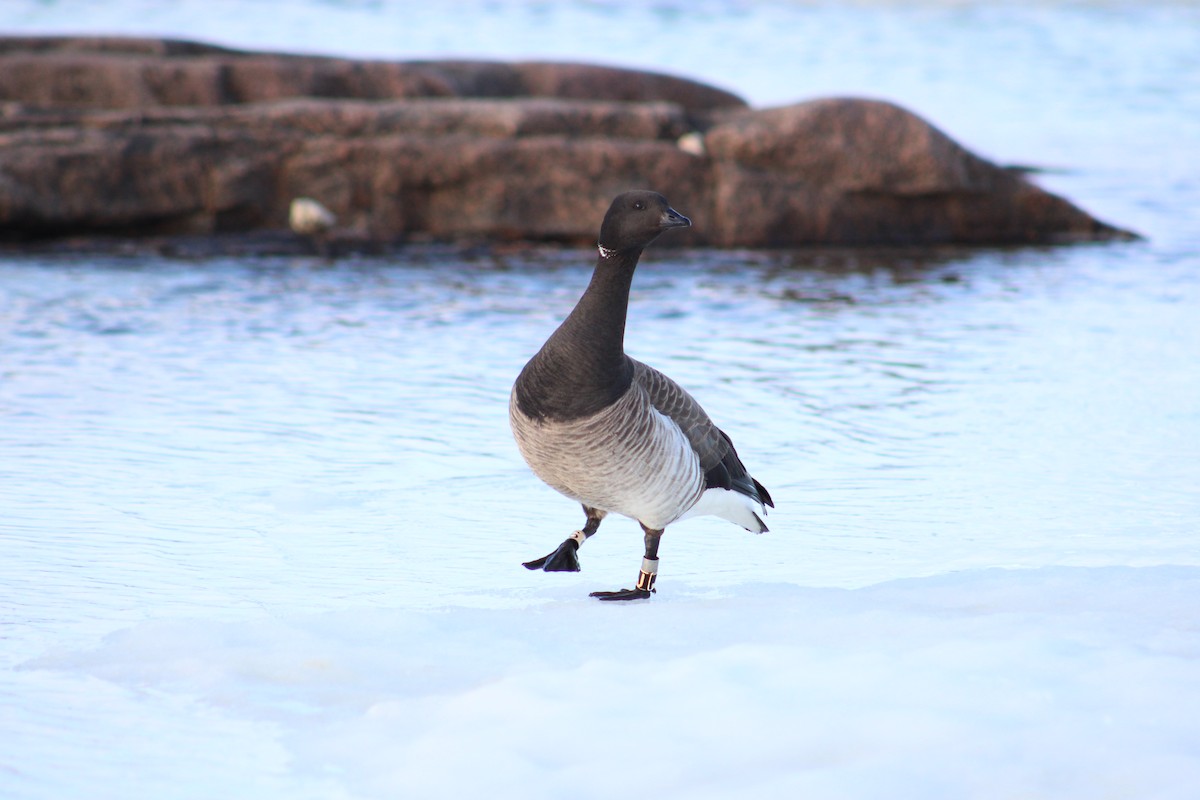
(718, 458)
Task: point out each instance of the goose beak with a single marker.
(673, 219)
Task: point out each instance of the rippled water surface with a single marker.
(214, 435)
(264, 442)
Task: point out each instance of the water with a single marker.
(265, 442)
(344, 425)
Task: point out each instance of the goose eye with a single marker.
(639, 205)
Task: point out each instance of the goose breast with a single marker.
(627, 458)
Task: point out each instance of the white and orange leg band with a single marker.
(645, 581)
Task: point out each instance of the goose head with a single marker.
(635, 219)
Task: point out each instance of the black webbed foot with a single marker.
(564, 559)
(623, 594)
(642, 590)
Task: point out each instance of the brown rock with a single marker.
(854, 171)
(856, 145)
(152, 136)
(483, 188)
(184, 179)
(444, 168)
(59, 72)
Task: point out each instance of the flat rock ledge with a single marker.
(144, 137)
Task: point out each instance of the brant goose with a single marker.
(614, 434)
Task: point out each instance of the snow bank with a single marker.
(1057, 682)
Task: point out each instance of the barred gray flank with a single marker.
(630, 457)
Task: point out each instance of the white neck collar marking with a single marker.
(605, 252)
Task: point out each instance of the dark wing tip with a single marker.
(718, 477)
(763, 494)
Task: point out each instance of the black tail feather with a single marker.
(730, 473)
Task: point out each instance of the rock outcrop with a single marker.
(142, 137)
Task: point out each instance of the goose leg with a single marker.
(645, 582)
(566, 557)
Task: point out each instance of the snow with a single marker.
(1055, 682)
